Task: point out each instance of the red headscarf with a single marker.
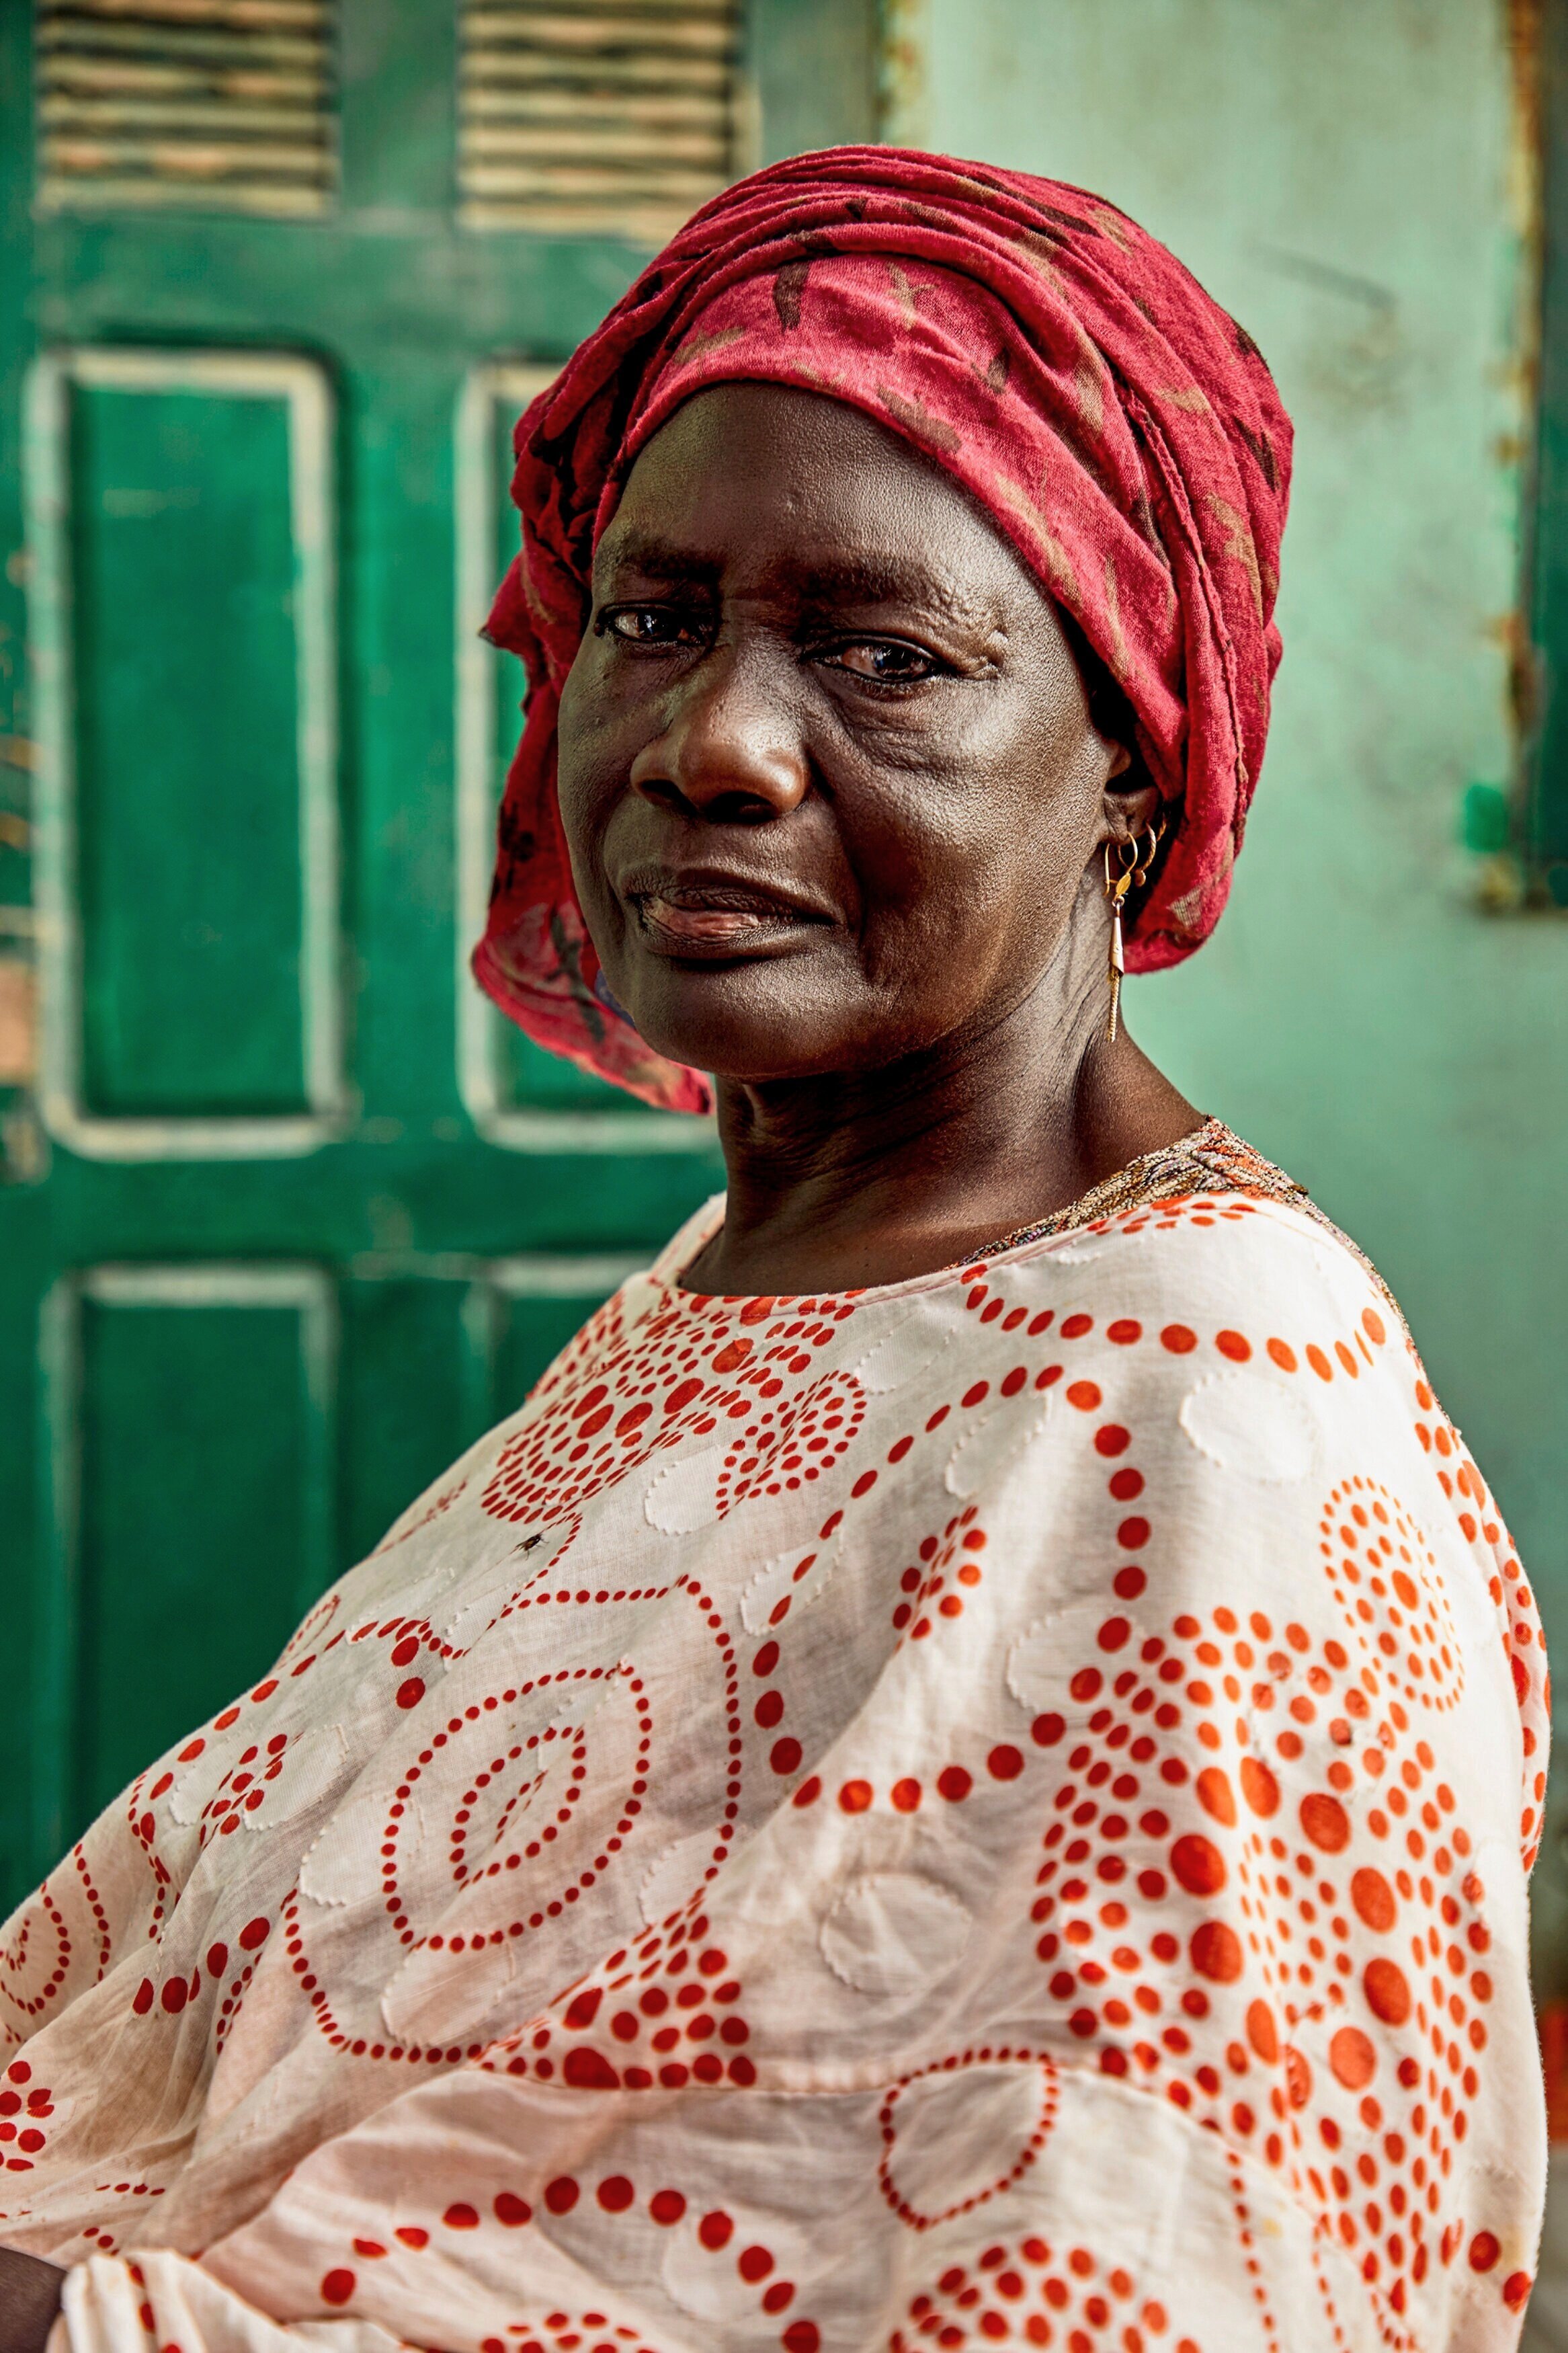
(1119, 428)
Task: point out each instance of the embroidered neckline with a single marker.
(1211, 1159)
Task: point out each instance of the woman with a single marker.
(965, 1769)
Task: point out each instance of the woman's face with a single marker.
(827, 768)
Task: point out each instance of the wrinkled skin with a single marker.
(837, 811)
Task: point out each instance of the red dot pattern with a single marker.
(1029, 2293)
(1235, 1848)
(919, 2220)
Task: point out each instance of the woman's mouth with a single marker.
(718, 920)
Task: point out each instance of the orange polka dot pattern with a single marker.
(995, 1810)
(1118, 427)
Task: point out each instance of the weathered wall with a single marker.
(1343, 178)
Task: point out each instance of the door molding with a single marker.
(303, 386)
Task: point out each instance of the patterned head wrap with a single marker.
(1117, 427)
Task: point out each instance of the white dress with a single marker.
(992, 1810)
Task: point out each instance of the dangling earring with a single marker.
(1117, 886)
(1136, 863)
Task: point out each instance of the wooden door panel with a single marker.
(292, 1262)
(617, 123)
(136, 104)
(412, 1400)
(221, 1439)
(182, 604)
(436, 1351)
(179, 505)
(189, 1417)
(522, 1310)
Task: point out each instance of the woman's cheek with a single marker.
(593, 761)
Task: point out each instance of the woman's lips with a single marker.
(718, 923)
(705, 922)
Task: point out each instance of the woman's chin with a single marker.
(744, 1021)
(754, 1053)
(748, 1056)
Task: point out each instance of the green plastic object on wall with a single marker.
(1486, 824)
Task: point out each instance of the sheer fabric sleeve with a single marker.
(1296, 1752)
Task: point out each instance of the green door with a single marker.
(289, 1216)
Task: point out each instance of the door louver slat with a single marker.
(608, 117)
(225, 105)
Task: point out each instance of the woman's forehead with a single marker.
(815, 492)
(861, 578)
(748, 411)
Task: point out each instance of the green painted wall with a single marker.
(1343, 178)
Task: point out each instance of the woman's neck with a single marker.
(845, 1181)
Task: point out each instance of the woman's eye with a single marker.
(653, 625)
(885, 660)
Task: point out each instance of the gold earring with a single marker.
(1145, 858)
(1117, 886)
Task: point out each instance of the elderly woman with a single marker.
(965, 1769)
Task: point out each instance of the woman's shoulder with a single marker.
(1225, 1163)
(1227, 1220)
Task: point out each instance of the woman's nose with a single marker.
(729, 751)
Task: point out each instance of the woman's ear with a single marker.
(1131, 807)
